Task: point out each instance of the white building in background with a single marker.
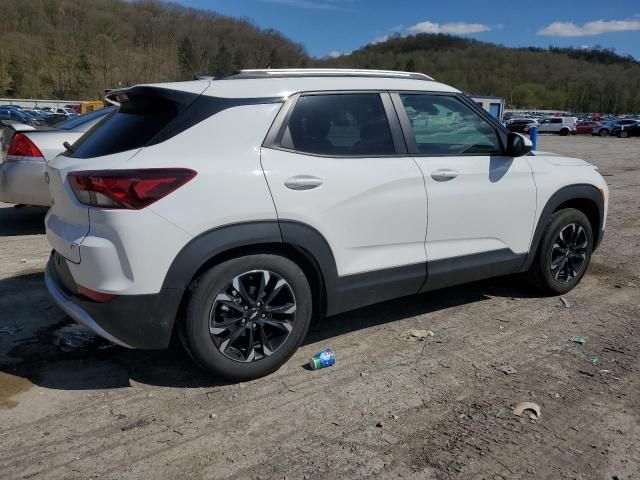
(493, 105)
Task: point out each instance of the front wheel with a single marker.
(603, 132)
(623, 134)
(564, 252)
(247, 316)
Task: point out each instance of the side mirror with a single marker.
(518, 145)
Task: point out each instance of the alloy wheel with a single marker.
(569, 253)
(252, 316)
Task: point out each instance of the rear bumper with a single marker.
(23, 182)
(132, 321)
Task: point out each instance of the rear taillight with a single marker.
(127, 189)
(22, 148)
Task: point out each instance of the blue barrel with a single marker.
(533, 135)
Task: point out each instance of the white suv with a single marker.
(228, 212)
(562, 125)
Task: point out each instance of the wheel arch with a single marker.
(584, 197)
(298, 242)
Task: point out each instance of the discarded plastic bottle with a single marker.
(323, 359)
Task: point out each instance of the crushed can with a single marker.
(323, 359)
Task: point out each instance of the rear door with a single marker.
(338, 164)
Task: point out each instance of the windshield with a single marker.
(82, 119)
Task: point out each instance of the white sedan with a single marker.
(26, 151)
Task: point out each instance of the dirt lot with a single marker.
(71, 406)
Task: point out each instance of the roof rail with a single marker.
(323, 72)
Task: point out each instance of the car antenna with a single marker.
(195, 75)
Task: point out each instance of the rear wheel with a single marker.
(623, 134)
(564, 132)
(247, 316)
(564, 252)
(603, 132)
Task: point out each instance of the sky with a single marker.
(334, 27)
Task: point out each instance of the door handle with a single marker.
(444, 175)
(302, 182)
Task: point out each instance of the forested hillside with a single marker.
(76, 48)
(566, 79)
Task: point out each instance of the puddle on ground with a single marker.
(62, 341)
(10, 385)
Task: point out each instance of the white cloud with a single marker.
(456, 28)
(597, 27)
(381, 39)
(334, 54)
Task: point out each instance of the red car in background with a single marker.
(585, 127)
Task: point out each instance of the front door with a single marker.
(481, 202)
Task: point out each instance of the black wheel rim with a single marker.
(252, 316)
(569, 253)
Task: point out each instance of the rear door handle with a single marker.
(444, 175)
(302, 182)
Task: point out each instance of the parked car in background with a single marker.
(560, 125)
(585, 127)
(249, 209)
(19, 116)
(521, 125)
(25, 154)
(606, 128)
(66, 111)
(625, 130)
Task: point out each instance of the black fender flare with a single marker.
(211, 243)
(582, 191)
(304, 239)
(339, 294)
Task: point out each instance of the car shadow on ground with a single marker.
(53, 352)
(21, 220)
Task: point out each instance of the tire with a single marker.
(603, 132)
(564, 132)
(221, 353)
(541, 273)
(623, 134)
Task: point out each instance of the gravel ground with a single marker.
(72, 406)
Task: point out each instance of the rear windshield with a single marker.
(150, 115)
(138, 119)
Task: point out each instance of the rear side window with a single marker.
(339, 125)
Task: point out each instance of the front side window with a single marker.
(339, 125)
(443, 125)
